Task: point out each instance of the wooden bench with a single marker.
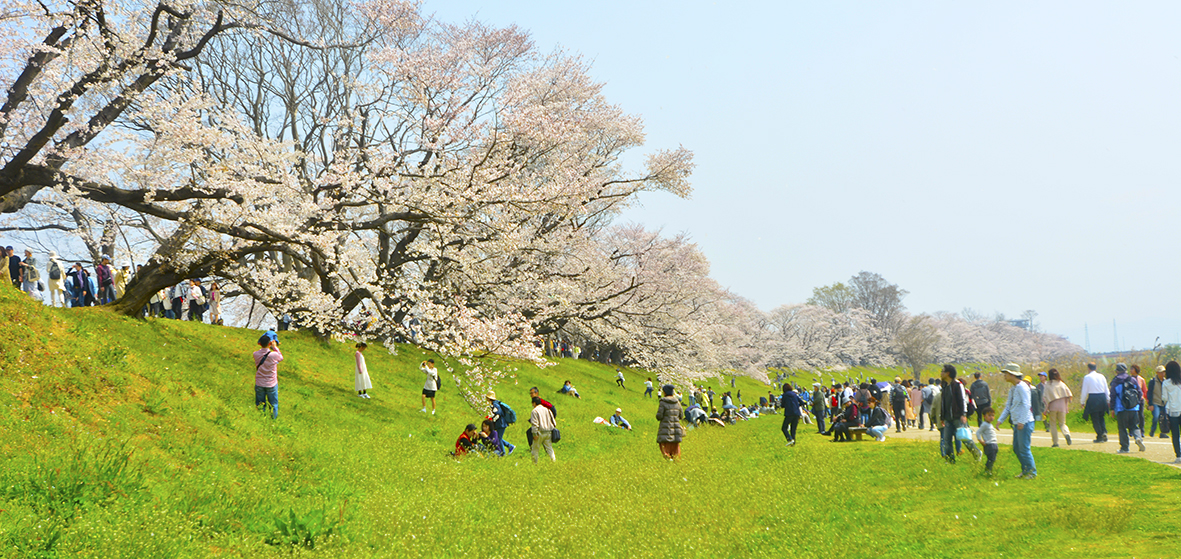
(857, 432)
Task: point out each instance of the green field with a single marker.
(127, 438)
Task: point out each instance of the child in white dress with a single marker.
(362, 382)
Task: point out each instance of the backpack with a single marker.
(968, 397)
(508, 414)
(898, 395)
(55, 271)
(929, 396)
(1131, 393)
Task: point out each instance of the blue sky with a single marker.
(1001, 156)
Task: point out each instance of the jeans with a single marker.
(1022, 439)
(1128, 424)
(789, 427)
(990, 451)
(878, 432)
(922, 415)
(504, 443)
(1159, 417)
(270, 395)
(946, 446)
(648, 392)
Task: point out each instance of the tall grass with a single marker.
(127, 438)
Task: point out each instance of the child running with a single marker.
(362, 383)
(986, 434)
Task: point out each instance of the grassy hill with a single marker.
(128, 438)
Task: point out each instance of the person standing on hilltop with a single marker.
(431, 385)
(1094, 395)
(670, 432)
(266, 374)
(361, 383)
(56, 284)
(542, 423)
(981, 396)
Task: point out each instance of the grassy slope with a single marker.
(130, 438)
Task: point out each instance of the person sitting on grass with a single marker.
(568, 389)
(618, 420)
(466, 441)
(695, 415)
(877, 423)
(488, 440)
(851, 417)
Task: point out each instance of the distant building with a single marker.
(1022, 323)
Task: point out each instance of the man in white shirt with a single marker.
(1094, 395)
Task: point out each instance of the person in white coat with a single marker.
(362, 384)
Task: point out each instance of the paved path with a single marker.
(1157, 450)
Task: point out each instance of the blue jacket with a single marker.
(790, 402)
(1117, 392)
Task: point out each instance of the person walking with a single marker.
(982, 396)
(1125, 399)
(1134, 372)
(898, 402)
(1037, 408)
(648, 387)
(619, 377)
(1153, 398)
(361, 381)
(790, 402)
(1017, 407)
(1056, 397)
(266, 375)
(542, 424)
(670, 432)
(14, 266)
(122, 276)
(30, 276)
(1171, 396)
(215, 304)
(953, 412)
(55, 283)
(1095, 405)
(502, 416)
(198, 300)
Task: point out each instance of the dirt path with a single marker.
(1157, 449)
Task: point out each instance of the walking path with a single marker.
(1158, 450)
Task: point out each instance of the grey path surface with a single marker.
(1157, 449)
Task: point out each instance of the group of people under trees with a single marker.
(72, 285)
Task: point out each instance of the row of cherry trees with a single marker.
(326, 158)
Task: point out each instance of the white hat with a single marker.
(618, 410)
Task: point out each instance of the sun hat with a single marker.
(1027, 379)
(619, 410)
(1012, 368)
(491, 395)
(1160, 368)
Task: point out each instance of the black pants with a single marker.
(1175, 430)
(789, 427)
(1096, 406)
(922, 415)
(1126, 420)
(900, 416)
(840, 431)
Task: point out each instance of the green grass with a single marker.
(127, 438)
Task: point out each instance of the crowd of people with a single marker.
(73, 285)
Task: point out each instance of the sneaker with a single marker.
(1030, 475)
(432, 412)
(1097, 441)
(423, 410)
(1178, 460)
(1123, 451)
(1053, 446)
(1019, 476)
(978, 454)
(366, 396)
(1140, 443)
(1067, 440)
(360, 395)
(510, 450)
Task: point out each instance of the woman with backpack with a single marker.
(55, 284)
